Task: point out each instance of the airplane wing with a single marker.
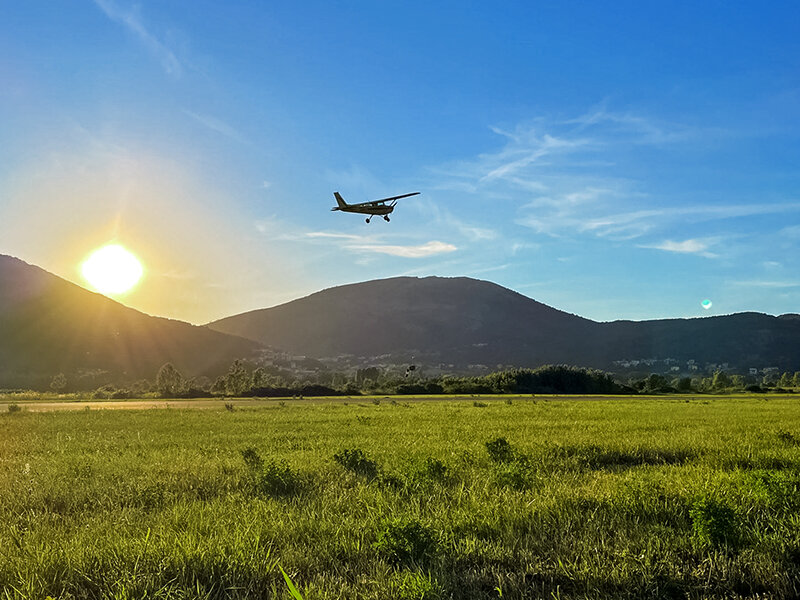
(397, 197)
(383, 201)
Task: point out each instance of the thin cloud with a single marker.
(133, 23)
(641, 129)
(691, 246)
(335, 236)
(536, 148)
(553, 176)
(768, 284)
(421, 251)
(219, 126)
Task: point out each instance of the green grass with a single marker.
(622, 498)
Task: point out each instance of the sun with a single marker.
(112, 269)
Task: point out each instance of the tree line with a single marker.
(243, 380)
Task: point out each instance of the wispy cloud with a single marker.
(792, 231)
(767, 284)
(583, 176)
(219, 126)
(691, 246)
(637, 129)
(334, 236)
(132, 21)
(419, 251)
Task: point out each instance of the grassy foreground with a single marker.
(558, 498)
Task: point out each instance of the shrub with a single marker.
(278, 479)
(14, 407)
(429, 470)
(405, 541)
(514, 474)
(252, 459)
(355, 460)
(274, 478)
(500, 450)
(479, 404)
(713, 523)
(229, 407)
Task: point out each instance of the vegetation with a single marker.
(245, 379)
(663, 497)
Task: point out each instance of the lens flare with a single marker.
(112, 269)
(706, 304)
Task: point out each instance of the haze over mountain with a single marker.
(465, 321)
(49, 325)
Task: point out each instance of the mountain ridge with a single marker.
(503, 326)
(49, 325)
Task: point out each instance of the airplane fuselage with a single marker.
(377, 209)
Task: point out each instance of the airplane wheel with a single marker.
(367, 220)
(387, 219)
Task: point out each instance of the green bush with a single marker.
(713, 523)
(278, 479)
(405, 541)
(500, 450)
(514, 474)
(252, 459)
(355, 460)
(428, 471)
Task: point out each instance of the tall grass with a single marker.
(625, 498)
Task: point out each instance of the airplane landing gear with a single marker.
(386, 218)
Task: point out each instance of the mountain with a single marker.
(48, 325)
(453, 320)
(464, 321)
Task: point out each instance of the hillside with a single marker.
(48, 325)
(457, 320)
(465, 321)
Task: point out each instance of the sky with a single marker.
(624, 160)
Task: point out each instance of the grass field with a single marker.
(669, 497)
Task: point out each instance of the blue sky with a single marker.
(619, 161)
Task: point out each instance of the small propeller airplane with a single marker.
(373, 208)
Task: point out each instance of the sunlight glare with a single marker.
(112, 269)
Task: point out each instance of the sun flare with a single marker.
(112, 269)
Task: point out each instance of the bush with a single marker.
(12, 408)
(274, 478)
(500, 450)
(252, 459)
(355, 460)
(713, 523)
(405, 541)
(278, 479)
(429, 470)
(514, 474)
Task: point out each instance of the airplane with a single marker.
(376, 207)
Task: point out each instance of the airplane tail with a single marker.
(340, 201)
